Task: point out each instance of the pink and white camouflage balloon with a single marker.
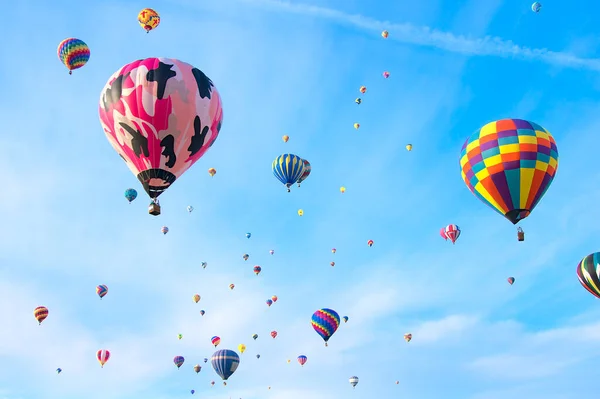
(161, 115)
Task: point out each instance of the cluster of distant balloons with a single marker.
(160, 132)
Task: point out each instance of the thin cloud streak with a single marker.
(429, 37)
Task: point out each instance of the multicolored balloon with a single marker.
(370, 243)
(130, 194)
(385, 34)
(215, 340)
(225, 362)
(353, 381)
(536, 7)
(40, 313)
(274, 298)
(274, 334)
(178, 360)
(588, 273)
(288, 168)
(197, 368)
(164, 229)
(254, 336)
(269, 302)
(407, 337)
(306, 173)
(242, 348)
(325, 322)
(509, 164)
(246, 256)
(257, 269)
(196, 298)
(73, 53)
(102, 356)
(102, 290)
(345, 318)
(450, 232)
(202, 312)
(511, 280)
(212, 172)
(302, 360)
(161, 116)
(148, 19)
(285, 138)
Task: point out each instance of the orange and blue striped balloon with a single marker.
(73, 53)
(325, 322)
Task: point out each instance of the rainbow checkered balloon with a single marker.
(325, 322)
(73, 53)
(509, 164)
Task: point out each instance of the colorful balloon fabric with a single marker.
(212, 172)
(102, 290)
(73, 53)
(536, 7)
(269, 302)
(148, 19)
(511, 280)
(197, 368)
(407, 337)
(325, 322)
(257, 270)
(385, 34)
(130, 194)
(40, 313)
(288, 168)
(215, 341)
(225, 362)
(588, 273)
(274, 298)
(306, 173)
(178, 360)
(345, 318)
(242, 348)
(509, 164)
(450, 232)
(353, 381)
(302, 360)
(102, 356)
(160, 115)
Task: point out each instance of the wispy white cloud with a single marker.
(430, 37)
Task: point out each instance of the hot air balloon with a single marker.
(511, 280)
(288, 168)
(451, 232)
(231, 286)
(178, 360)
(164, 229)
(161, 115)
(306, 173)
(269, 302)
(101, 290)
(302, 360)
(212, 383)
(363, 89)
(345, 318)
(102, 355)
(215, 341)
(190, 208)
(197, 368)
(285, 138)
(73, 53)
(40, 313)
(225, 362)
(385, 34)
(248, 235)
(509, 165)
(257, 270)
(332, 264)
(130, 194)
(325, 322)
(204, 264)
(353, 381)
(358, 101)
(370, 243)
(212, 172)
(536, 7)
(205, 360)
(242, 348)
(192, 391)
(179, 336)
(272, 251)
(274, 334)
(258, 356)
(148, 19)
(202, 313)
(300, 212)
(196, 298)
(246, 256)
(254, 336)
(588, 273)
(386, 74)
(333, 250)
(357, 126)
(342, 189)
(407, 337)
(409, 147)
(58, 370)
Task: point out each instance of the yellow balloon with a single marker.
(285, 138)
(300, 212)
(242, 348)
(342, 189)
(408, 147)
(148, 19)
(356, 125)
(212, 171)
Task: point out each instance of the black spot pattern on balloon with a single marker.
(112, 95)
(198, 138)
(139, 143)
(204, 84)
(168, 142)
(161, 75)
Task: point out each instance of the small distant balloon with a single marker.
(357, 126)
(274, 298)
(511, 280)
(103, 356)
(258, 356)
(274, 334)
(212, 172)
(332, 264)
(302, 360)
(386, 74)
(370, 243)
(59, 370)
(385, 34)
(285, 138)
(254, 336)
(231, 286)
(197, 368)
(190, 208)
(192, 391)
(333, 250)
(272, 252)
(300, 212)
(358, 101)
(215, 341)
(40, 313)
(248, 235)
(204, 264)
(102, 290)
(257, 270)
(202, 312)
(196, 298)
(345, 318)
(409, 147)
(178, 361)
(342, 189)
(148, 19)
(407, 337)
(269, 302)
(130, 194)
(179, 336)
(164, 229)
(536, 7)
(363, 89)
(353, 381)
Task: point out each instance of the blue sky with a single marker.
(295, 69)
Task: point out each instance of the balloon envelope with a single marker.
(225, 362)
(325, 322)
(587, 273)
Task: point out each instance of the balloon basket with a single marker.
(154, 209)
(521, 236)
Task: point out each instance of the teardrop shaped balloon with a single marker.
(225, 362)
(325, 322)
(288, 168)
(73, 53)
(509, 164)
(588, 273)
(178, 360)
(160, 115)
(102, 356)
